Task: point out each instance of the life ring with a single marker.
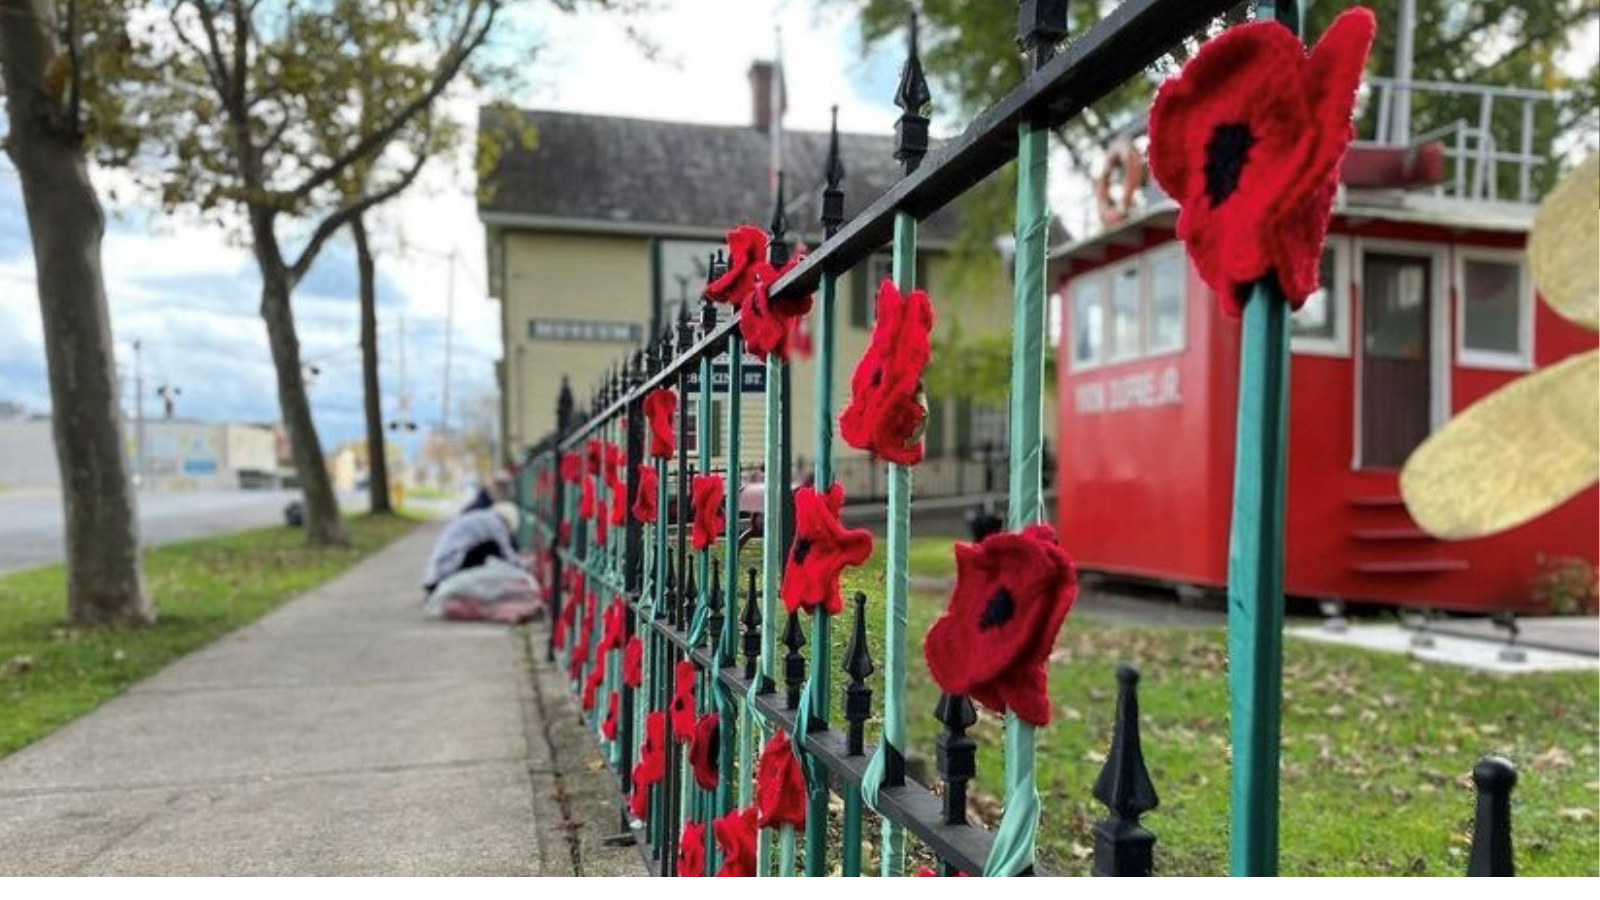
(1123, 156)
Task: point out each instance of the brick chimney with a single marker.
(761, 95)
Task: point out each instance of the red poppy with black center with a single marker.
(692, 851)
(633, 662)
(683, 711)
(706, 496)
(594, 454)
(747, 261)
(887, 412)
(780, 787)
(1248, 139)
(652, 765)
(822, 549)
(644, 499)
(571, 467)
(660, 405)
(1012, 593)
(736, 836)
(616, 620)
(592, 686)
(608, 728)
(586, 499)
(706, 751)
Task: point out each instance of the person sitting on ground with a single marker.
(470, 540)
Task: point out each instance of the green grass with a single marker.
(1377, 749)
(51, 674)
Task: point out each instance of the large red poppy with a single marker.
(594, 454)
(767, 325)
(706, 750)
(608, 728)
(1248, 139)
(736, 835)
(706, 496)
(616, 616)
(616, 486)
(692, 851)
(660, 405)
(780, 787)
(887, 412)
(644, 499)
(633, 662)
(821, 550)
(1012, 593)
(683, 711)
(652, 765)
(747, 262)
(592, 686)
(571, 467)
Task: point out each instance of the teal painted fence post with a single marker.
(1255, 561)
(777, 483)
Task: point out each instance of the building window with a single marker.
(864, 297)
(1495, 310)
(1087, 295)
(1123, 340)
(1321, 325)
(1168, 270)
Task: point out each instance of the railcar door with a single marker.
(1396, 357)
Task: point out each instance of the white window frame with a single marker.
(1141, 315)
(1148, 300)
(1069, 334)
(1339, 306)
(1466, 357)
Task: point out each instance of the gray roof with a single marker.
(605, 173)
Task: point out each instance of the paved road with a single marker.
(31, 529)
(344, 734)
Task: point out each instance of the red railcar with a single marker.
(1427, 305)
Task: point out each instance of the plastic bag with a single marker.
(497, 591)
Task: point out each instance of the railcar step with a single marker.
(1416, 567)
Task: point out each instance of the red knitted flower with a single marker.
(736, 835)
(706, 751)
(644, 501)
(767, 325)
(887, 412)
(747, 261)
(586, 499)
(684, 677)
(822, 548)
(1248, 139)
(594, 454)
(707, 496)
(618, 491)
(780, 788)
(564, 534)
(1012, 593)
(608, 728)
(592, 686)
(633, 662)
(639, 800)
(652, 765)
(660, 405)
(571, 467)
(926, 872)
(692, 851)
(616, 619)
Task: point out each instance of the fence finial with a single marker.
(858, 665)
(833, 194)
(1041, 24)
(957, 753)
(714, 617)
(564, 404)
(751, 620)
(778, 243)
(794, 662)
(1492, 855)
(913, 97)
(685, 328)
(1121, 845)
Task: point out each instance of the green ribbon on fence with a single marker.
(1012, 852)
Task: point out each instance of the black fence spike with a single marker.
(912, 96)
(751, 620)
(664, 609)
(714, 606)
(690, 596)
(794, 662)
(1121, 845)
(778, 230)
(957, 753)
(1041, 24)
(1492, 853)
(685, 329)
(833, 194)
(857, 665)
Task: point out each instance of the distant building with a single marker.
(178, 455)
(601, 229)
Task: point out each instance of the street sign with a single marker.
(753, 375)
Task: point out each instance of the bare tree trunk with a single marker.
(322, 520)
(377, 461)
(105, 583)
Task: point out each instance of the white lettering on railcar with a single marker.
(1150, 389)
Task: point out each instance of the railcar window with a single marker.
(1126, 315)
(1494, 312)
(1088, 321)
(1167, 268)
(1320, 326)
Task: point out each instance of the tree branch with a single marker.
(343, 216)
(461, 47)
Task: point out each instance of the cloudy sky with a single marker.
(190, 298)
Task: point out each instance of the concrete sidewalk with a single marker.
(344, 734)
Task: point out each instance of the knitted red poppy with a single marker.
(594, 455)
(571, 467)
(736, 836)
(644, 501)
(633, 662)
(780, 788)
(1248, 139)
(821, 550)
(991, 643)
(767, 325)
(602, 522)
(586, 499)
(706, 751)
(707, 496)
(683, 711)
(592, 686)
(608, 728)
(692, 851)
(616, 618)
(747, 260)
(639, 800)
(660, 405)
(564, 534)
(887, 412)
(652, 765)
(926, 872)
